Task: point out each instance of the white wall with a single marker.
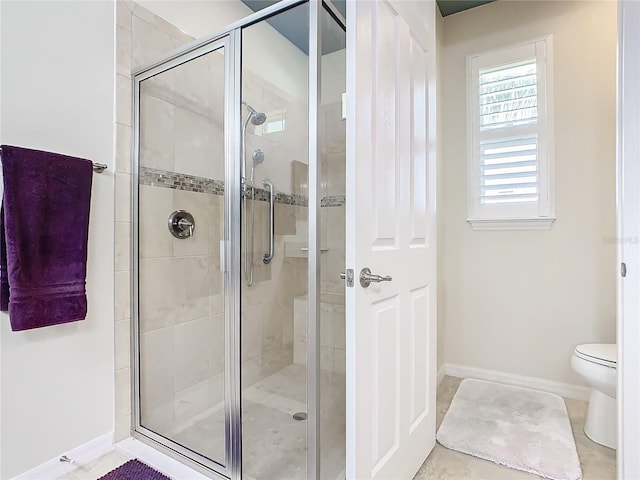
(57, 93)
(519, 302)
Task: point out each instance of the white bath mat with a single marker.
(518, 427)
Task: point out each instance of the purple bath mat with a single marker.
(134, 470)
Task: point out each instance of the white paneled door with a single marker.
(628, 179)
(391, 331)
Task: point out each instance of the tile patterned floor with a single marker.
(598, 462)
(274, 444)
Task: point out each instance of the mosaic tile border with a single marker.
(262, 195)
(180, 181)
(154, 177)
(333, 201)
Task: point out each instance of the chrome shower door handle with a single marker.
(366, 277)
(267, 257)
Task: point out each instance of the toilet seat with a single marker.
(604, 354)
(596, 363)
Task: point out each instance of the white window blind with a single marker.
(509, 170)
(509, 147)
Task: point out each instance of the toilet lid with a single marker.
(602, 353)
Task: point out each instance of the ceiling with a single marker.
(449, 7)
(293, 24)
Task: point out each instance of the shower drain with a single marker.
(300, 416)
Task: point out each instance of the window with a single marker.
(510, 141)
(275, 123)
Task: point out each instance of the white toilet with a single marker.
(596, 363)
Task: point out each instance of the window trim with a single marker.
(538, 216)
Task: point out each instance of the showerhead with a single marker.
(257, 157)
(257, 118)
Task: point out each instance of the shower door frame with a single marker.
(230, 39)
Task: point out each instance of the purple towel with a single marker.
(134, 470)
(46, 227)
(4, 277)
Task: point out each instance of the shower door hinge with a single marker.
(623, 269)
(348, 276)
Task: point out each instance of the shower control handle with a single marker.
(366, 277)
(186, 224)
(181, 224)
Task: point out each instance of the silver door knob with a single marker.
(366, 277)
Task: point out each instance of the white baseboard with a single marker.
(563, 389)
(81, 455)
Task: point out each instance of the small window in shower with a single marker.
(276, 122)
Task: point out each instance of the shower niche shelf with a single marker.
(299, 249)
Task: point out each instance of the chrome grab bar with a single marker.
(267, 257)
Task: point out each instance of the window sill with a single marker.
(479, 224)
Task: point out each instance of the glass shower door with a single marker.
(182, 358)
(275, 126)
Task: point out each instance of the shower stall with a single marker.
(238, 241)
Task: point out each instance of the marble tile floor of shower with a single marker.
(597, 462)
(273, 443)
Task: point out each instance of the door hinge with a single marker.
(623, 269)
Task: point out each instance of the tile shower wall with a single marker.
(332, 332)
(181, 299)
(181, 309)
(142, 37)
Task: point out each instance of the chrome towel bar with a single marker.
(97, 167)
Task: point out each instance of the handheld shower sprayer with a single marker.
(256, 118)
(257, 158)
